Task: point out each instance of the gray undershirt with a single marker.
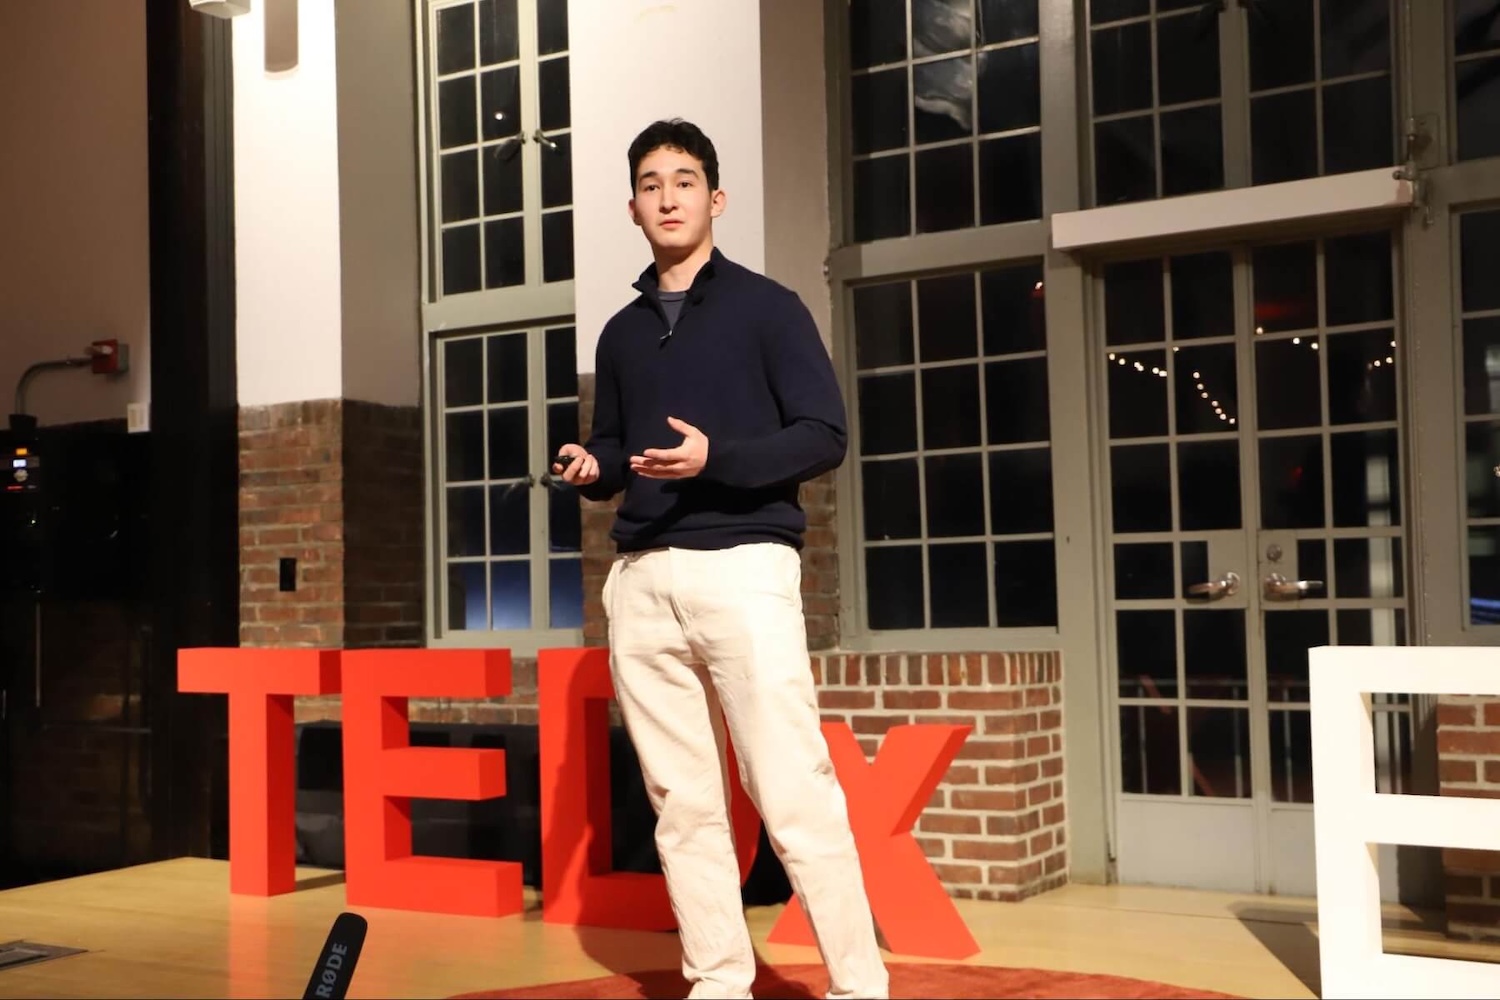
(671, 304)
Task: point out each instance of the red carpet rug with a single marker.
(810, 982)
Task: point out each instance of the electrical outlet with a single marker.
(138, 417)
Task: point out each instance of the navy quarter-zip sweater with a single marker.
(743, 363)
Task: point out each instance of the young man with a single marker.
(714, 399)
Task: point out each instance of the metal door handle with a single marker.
(1227, 586)
(1279, 587)
(542, 138)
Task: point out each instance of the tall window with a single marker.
(1476, 85)
(500, 145)
(511, 533)
(955, 474)
(1320, 97)
(946, 107)
(1479, 300)
(503, 390)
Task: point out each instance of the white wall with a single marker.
(75, 238)
(632, 62)
(286, 190)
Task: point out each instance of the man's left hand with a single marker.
(683, 462)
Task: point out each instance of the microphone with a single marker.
(335, 968)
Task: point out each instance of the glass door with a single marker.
(1253, 456)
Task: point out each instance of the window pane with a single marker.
(507, 368)
(552, 26)
(1356, 37)
(510, 595)
(1121, 60)
(939, 26)
(557, 171)
(960, 591)
(1124, 160)
(892, 499)
(945, 188)
(1104, 11)
(562, 426)
(500, 110)
(1187, 59)
(1357, 277)
(562, 362)
(1476, 26)
(499, 39)
(460, 186)
(946, 317)
(1004, 20)
(1141, 487)
(566, 592)
(1213, 654)
(1143, 571)
(504, 253)
(1025, 584)
(882, 198)
(456, 112)
(1366, 479)
(894, 585)
(1146, 653)
(1482, 458)
(466, 521)
(564, 520)
(1219, 752)
(1484, 576)
(882, 325)
(1015, 314)
(463, 372)
(1010, 179)
(455, 39)
(1361, 377)
(1192, 151)
(1009, 89)
(1478, 97)
(460, 260)
(887, 414)
(1286, 287)
(557, 246)
(1281, 44)
(510, 519)
(503, 192)
(1288, 388)
(1291, 482)
(1482, 365)
(509, 450)
(879, 103)
(877, 32)
(1291, 756)
(1016, 401)
(1020, 492)
(943, 99)
(463, 450)
(1357, 126)
(1150, 755)
(1137, 395)
(552, 86)
(955, 496)
(1283, 137)
(1209, 485)
(950, 408)
(1207, 395)
(467, 597)
(1202, 296)
(1134, 311)
(1365, 567)
(1479, 248)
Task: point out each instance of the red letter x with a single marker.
(913, 911)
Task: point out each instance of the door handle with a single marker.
(1279, 588)
(1226, 586)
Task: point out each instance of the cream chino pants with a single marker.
(698, 638)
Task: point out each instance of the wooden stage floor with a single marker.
(173, 930)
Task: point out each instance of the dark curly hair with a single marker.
(675, 134)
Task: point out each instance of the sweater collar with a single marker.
(648, 283)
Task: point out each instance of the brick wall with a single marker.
(996, 827)
(337, 486)
(1469, 764)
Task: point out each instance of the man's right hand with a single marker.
(581, 471)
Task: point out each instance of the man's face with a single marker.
(673, 203)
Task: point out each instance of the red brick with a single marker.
(948, 823)
(1492, 713)
(1018, 774)
(981, 701)
(1468, 742)
(846, 699)
(992, 750)
(1054, 814)
(877, 723)
(1037, 697)
(1491, 770)
(911, 699)
(987, 801)
(932, 847)
(961, 774)
(1458, 771)
(989, 850)
(1050, 719)
(1038, 746)
(1012, 825)
(1449, 714)
(1038, 795)
(1471, 862)
(1041, 843)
